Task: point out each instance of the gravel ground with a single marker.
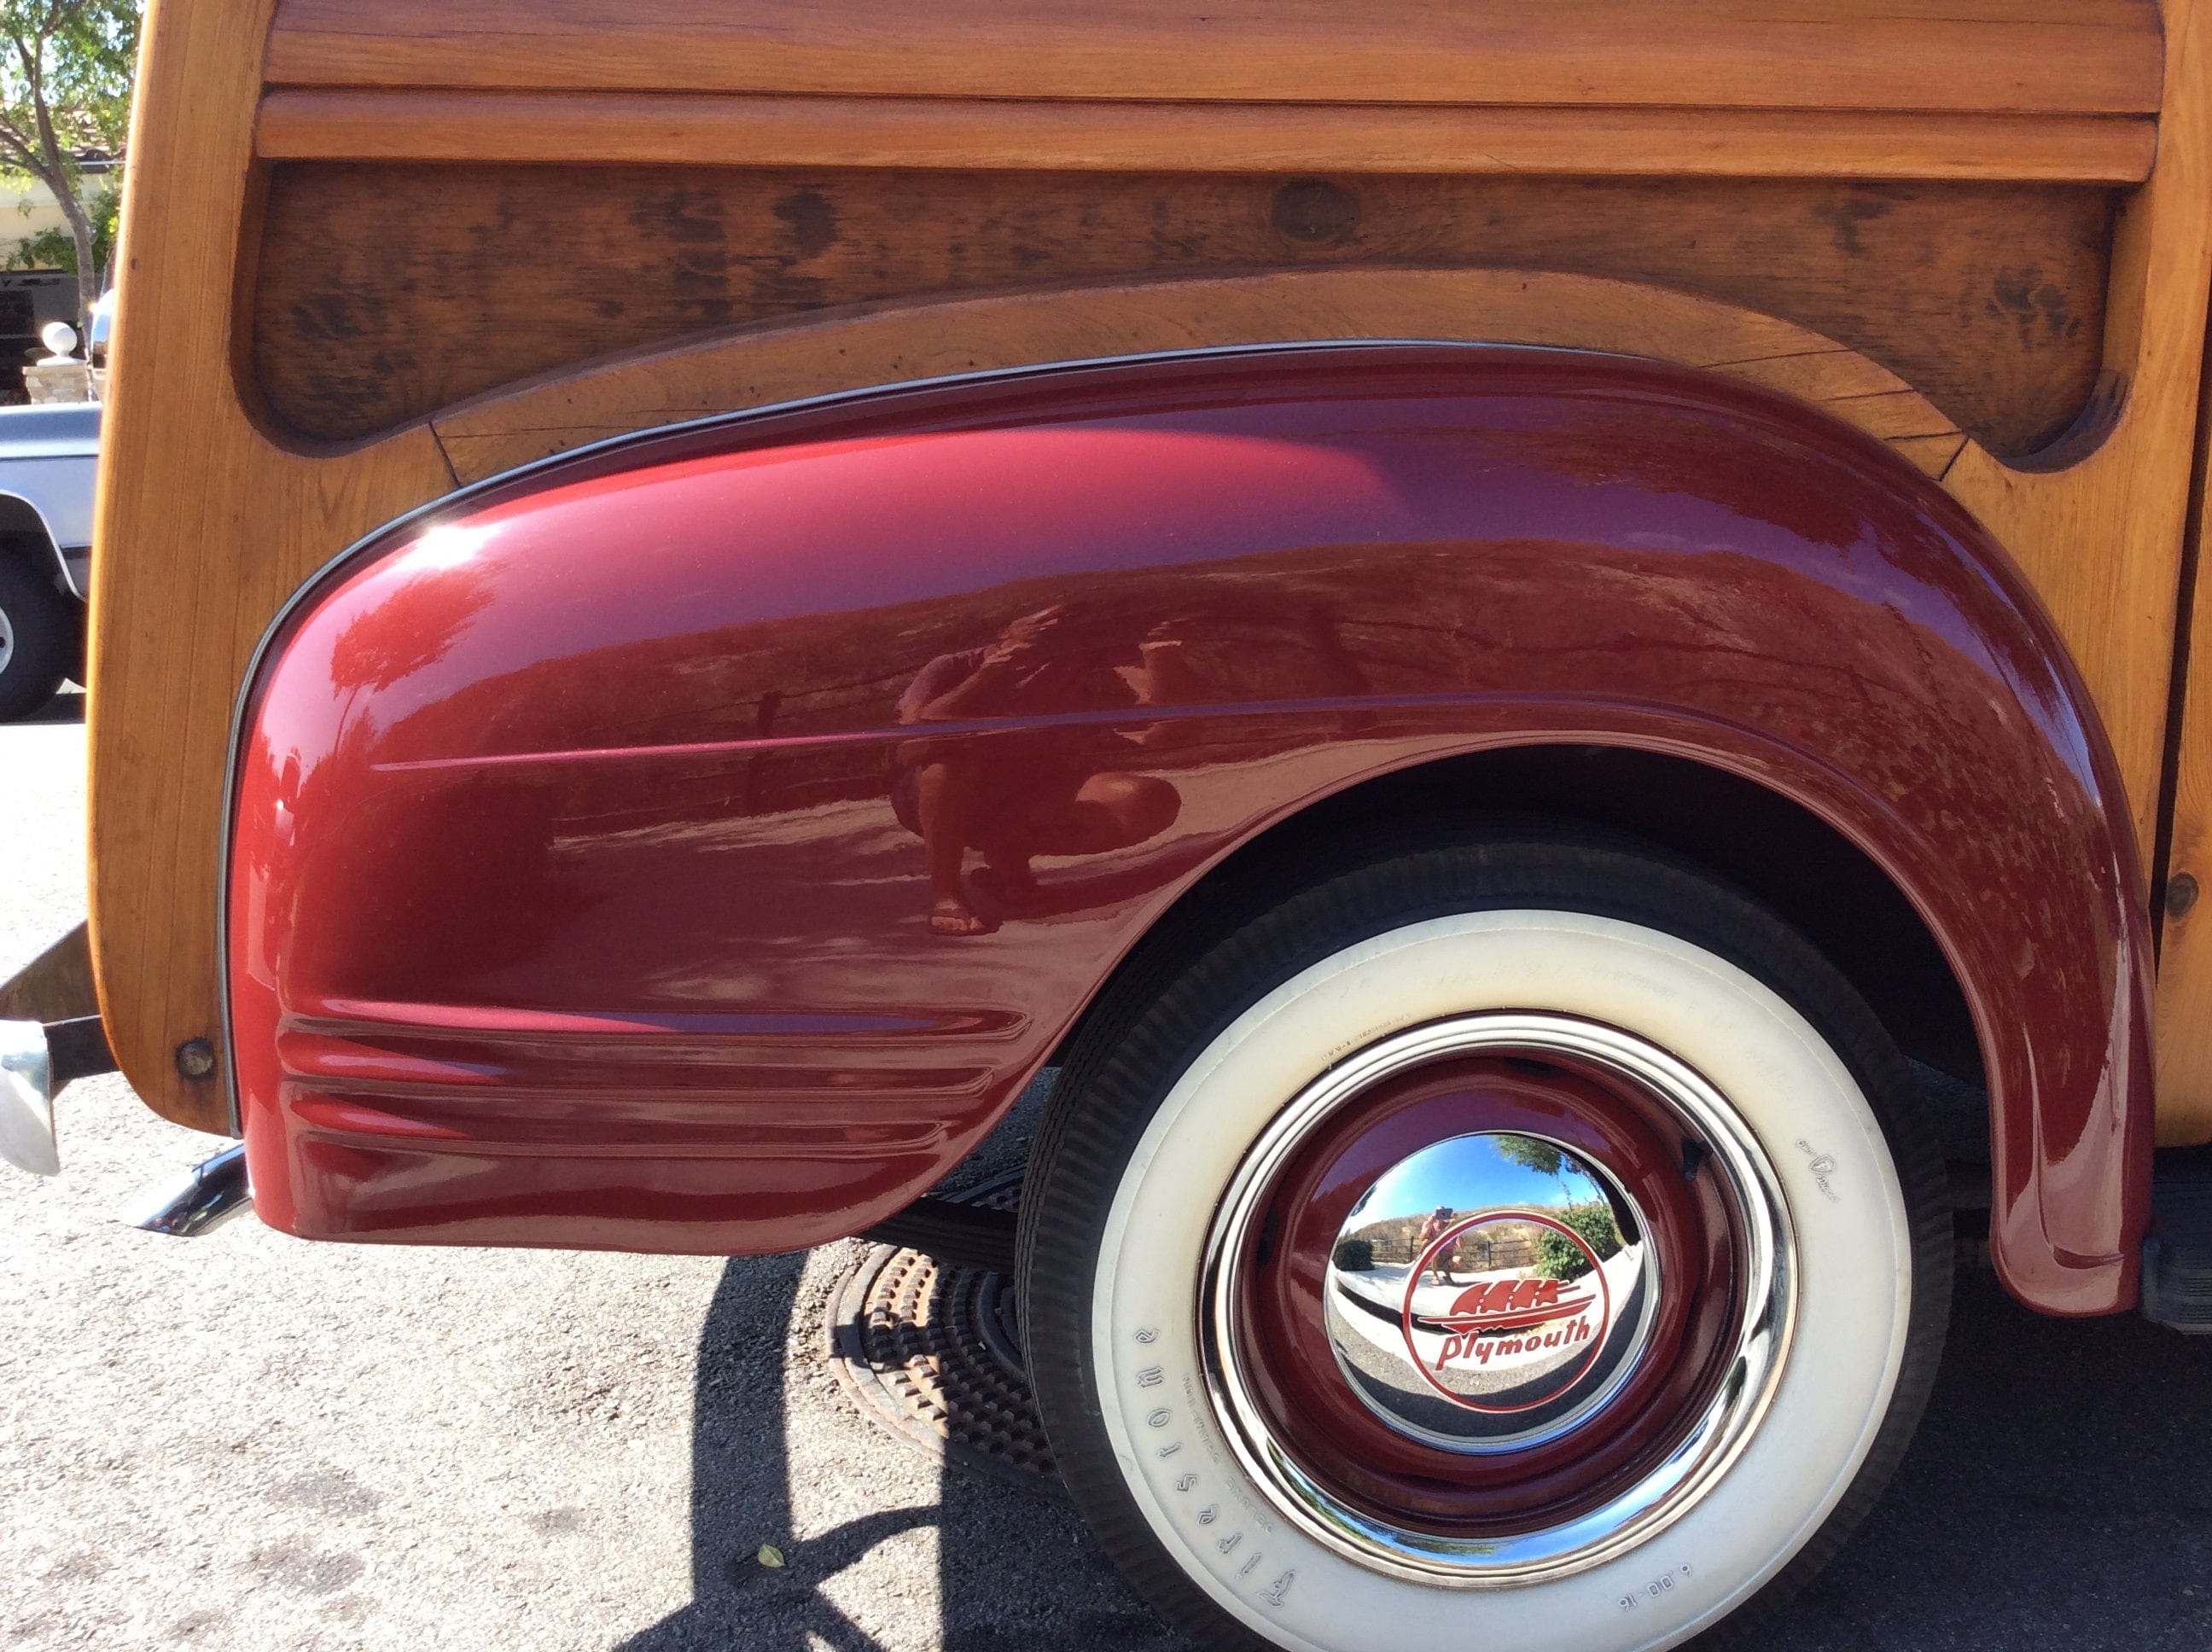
(247, 1442)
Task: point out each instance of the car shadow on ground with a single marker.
(2060, 1489)
(2059, 1492)
(1018, 1572)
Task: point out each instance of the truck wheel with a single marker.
(1524, 1243)
(35, 635)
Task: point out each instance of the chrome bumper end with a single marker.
(27, 1099)
(51, 1035)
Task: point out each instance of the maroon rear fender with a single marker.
(697, 845)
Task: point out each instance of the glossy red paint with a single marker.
(603, 859)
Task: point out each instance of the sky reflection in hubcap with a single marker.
(1489, 1291)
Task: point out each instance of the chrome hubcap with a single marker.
(1497, 1303)
(1490, 1291)
(7, 640)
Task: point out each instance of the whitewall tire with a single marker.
(1484, 1054)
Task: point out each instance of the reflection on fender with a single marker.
(698, 849)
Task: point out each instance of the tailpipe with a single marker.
(211, 1193)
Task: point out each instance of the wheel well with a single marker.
(1776, 850)
(24, 535)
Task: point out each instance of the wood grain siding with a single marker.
(2084, 56)
(388, 292)
(829, 352)
(1005, 134)
(2182, 886)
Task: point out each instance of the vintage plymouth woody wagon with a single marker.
(1524, 640)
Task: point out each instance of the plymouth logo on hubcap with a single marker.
(1504, 1310)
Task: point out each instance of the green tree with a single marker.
(1354, 1255)
(1559, 1257)
(66, 74)
(55, 248)
(1530, 1154)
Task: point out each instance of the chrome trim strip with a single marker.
(462, 496)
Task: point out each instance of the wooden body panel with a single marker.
(388, 292)
(1017, 134)
(825, 354)
(2041, 55)
(2183, 1020)
(2044, 110)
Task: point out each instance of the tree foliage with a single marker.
(65, 76)
(55, 248)
(1559, 1257)
(1354, 1255)
(1530, 1154)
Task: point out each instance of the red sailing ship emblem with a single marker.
(1507, 1305)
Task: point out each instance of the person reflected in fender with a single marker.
(1049, 792)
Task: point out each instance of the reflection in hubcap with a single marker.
(1486, 1294)
(1496, 1298)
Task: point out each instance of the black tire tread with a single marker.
(45, 639)
(1204, 968)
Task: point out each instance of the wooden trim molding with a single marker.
(879, 132)
(2184, 978)
(2101, 538)
(2181, 886)
(2082, 56)
(2132, 498)
(756, 367)
(202, 541)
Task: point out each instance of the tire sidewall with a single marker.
(39, 620)
(1854, 1251)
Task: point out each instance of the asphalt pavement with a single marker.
(244, 1441)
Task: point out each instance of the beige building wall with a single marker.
(27, 207)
